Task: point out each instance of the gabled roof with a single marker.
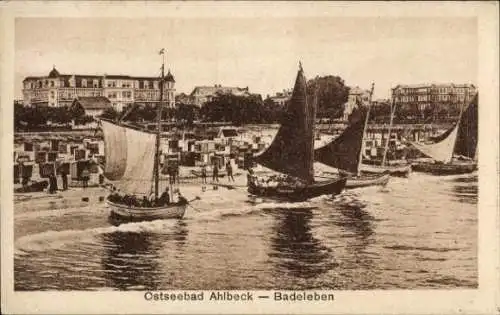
(357, 91)
(53, 73)
(212, 90)
(93, 102)
(169, 77)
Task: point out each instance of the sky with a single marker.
(261, 53)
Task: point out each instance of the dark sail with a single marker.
(466, 142)
(291, 151)
(344, 152)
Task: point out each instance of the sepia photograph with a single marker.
(203, 159)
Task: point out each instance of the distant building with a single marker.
(185, 99)
(92, 105)
(421, 96)
(203, 94)
(281, 98)
(356, 96)
(57, 89)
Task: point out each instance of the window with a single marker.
(52, 83)
(84, 83)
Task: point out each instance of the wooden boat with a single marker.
(34, 186)
(437, 168)
(394, 170)
(132, 161)
(345, 152)
(292, 153)
(366, 180)
(222, 173)
(299, 192)
(460, 140)
(171, 211)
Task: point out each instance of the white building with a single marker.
(57, 89)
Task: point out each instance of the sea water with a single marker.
(416, 233)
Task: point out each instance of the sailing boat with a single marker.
(292, 153)
(345, 152)
(395, 170)
(460, 140)
(133, 161)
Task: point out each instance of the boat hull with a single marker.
(367, 180)
(33, 187)
(209, 174)
(329, 187)
(144, 214)
(394, 170)
(445, 169)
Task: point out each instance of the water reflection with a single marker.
(356, 227)
(132, 261)
(294, 247)
(465, 188)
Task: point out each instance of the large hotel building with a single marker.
(421, 96)
(62, 89)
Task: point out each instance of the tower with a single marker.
(169, 90)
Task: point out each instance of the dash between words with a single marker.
(227, 296)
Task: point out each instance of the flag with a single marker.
(162, 51)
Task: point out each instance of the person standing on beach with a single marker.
(215, 173)
(171, 174)
(176, 173)
(85, 177)
(229, 170)
(52, 183)
(64, 178)
(203, 174)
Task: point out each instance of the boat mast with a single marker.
(462, 108)
(364, 131)
(393, 111)
(158, 126)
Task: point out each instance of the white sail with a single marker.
(138, 176)
(441, 151)
(115, 150)
(131, 161)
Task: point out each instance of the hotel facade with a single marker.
(422, 96)
(58, 90)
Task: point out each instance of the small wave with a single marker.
(84, 209)
(56, 239)
(431, 259)
(422, 248)
(451, 281)
(285, 205)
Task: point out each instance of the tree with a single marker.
(235, 109)
(110, 113)
(186, 113)
(331, 97)
(59, 115)
(83, 120)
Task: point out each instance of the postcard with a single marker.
(250, 158)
